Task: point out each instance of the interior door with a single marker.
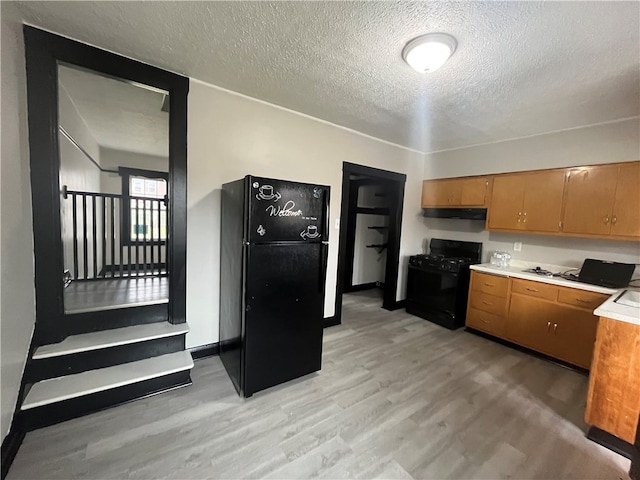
(507, 201)
(589, 200)
(284, 303)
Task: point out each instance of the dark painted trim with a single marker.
(397, 305)
(361, 287)
(10, 446)
(356, 169)
(44, 368)
(396, 202)
(77, 407)
(140, 172)
(330, 321)
(394, 183)
(43, 52)
(520, 348)
(350, 225)
(611, 442)
(77, 323)
(203, 351)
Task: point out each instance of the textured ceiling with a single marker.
(119, 115)
(521, 68)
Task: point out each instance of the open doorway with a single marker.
(114, 170)
(369, 252)
(107, 140)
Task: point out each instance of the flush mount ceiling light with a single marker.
(427, 53)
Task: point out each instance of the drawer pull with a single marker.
(582, 301)
(531, 289)
(487, 303)
(485, 321)
(488, 284)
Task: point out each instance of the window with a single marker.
(146, 217)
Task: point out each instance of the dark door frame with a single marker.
(43, 52)
(396, 182)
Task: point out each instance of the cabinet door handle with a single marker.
(524, 220)
(531, 289)
(614, 219)
(555, 327)
(548, 326)
(606, 219)
(519, 216)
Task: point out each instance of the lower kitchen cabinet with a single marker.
(557, 321)
(530, 323)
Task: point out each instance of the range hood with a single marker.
(462, 213)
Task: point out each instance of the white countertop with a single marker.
(623, 306)
(620, 306)
(515, 270)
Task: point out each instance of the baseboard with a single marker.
(395, 306)
(10, 446)
(528, 351)
(361, 287)
(611, 442)
(203, 351)
(330, 321)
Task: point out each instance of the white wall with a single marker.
(231, 136)
(17, 295)
(78, 173)
(112, 159)
(607, 143)
(369, 263)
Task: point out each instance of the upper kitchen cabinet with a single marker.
(529, 201)
(455, 192)
(625, 218)
(603, 201)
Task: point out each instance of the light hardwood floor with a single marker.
(397, 397)
(109, 294)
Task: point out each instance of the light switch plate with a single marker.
(517, 247)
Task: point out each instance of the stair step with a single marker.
(109, 338)
(59, 389)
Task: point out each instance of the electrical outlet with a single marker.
(517, 247)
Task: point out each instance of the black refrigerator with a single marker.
(272, 280)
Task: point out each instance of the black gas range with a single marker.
(438, 282)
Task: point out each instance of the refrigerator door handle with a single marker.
(327, 208)
(323, 267)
